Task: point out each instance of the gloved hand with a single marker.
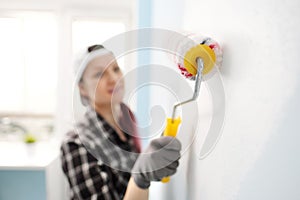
(159, 160)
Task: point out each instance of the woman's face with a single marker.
(102, 82)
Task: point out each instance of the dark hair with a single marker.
(91, 49)
(95, 47)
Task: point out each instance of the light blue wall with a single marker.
(144, 57)
(22, 185)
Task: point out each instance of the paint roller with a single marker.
(200, 61)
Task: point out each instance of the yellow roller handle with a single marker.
(171, 130)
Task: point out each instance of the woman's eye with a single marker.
(98, 74)
(117, 68)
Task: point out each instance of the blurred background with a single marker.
(257, 153)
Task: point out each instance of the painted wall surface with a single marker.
(257, 152)
(257, 155)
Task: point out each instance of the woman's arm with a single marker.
(133, 192)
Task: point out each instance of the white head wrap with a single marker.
(81, 65)
(87, 58)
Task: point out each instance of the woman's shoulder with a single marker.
(72, 145)
(81, 127)
(71, 137)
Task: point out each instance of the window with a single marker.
(89, 32)
(28, 64)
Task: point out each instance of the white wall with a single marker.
(257, 156)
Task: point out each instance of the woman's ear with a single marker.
(82, 90)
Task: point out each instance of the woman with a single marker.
(99, 154)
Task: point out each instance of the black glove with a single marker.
(159, 160)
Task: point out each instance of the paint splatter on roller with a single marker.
(200, 61)
(202, 47)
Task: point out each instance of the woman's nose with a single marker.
(113, 77)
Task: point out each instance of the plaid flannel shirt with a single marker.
(96, 161)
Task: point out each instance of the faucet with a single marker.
(8, 126)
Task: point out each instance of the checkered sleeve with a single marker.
(86, 178)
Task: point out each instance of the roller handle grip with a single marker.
(171, 130)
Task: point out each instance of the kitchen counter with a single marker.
(19, 155)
